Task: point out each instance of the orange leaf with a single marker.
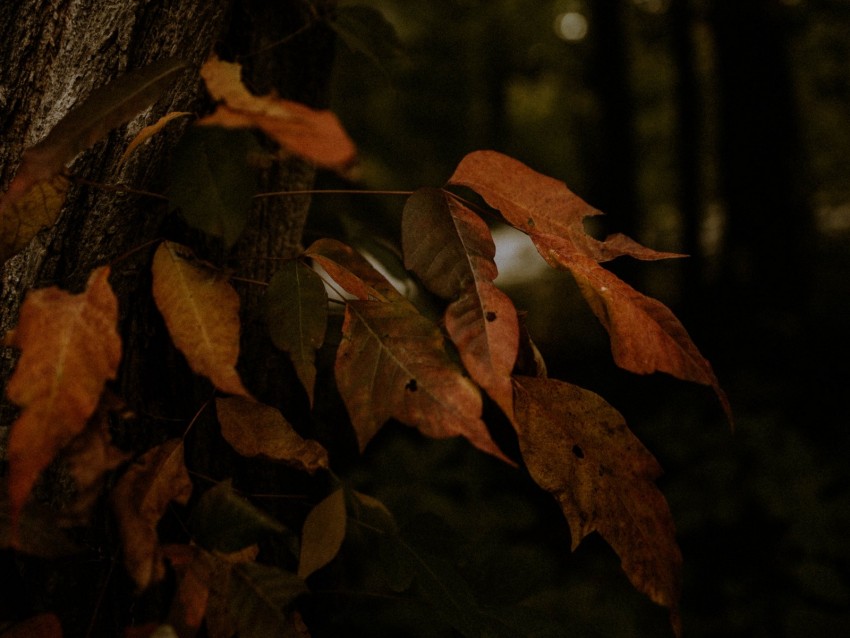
(645, 335)
(578, 447)
(70, 348)
(313, 135)
(201, 312)
(104, 109)
(451, 250)
(148, 132)
(140, 499)
(254, 429)
(540, 205)
(392, 363)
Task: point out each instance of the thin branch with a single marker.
(334, 191)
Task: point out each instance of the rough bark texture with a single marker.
(53, 53)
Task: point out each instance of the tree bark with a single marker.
(53, 53)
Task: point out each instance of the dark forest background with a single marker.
(717, 128)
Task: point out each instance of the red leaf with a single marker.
(578, 447)
(645, 335)
(392, 363)
(451, 250)
(70, 348)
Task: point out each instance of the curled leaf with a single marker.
(70, 348)
(314, 135)
(201, 312)
(140, 499)
(352, 271)
(254, 429)
(148, 132)
(578, 448)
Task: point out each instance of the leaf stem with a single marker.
(335, 191)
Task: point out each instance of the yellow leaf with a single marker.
(70, 348)
(254, 429)
(201, 311)
(23, 214)
(140, 499)
(323, 533)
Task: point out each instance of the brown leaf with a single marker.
(40, 626)
(323, 533)
(89, 457)
(451, 250)
(104, 109)
(149, 131)
(578, 447)
(189, 604)
(201, 312)
(352, 271)
(645, 335)
(537, 204)
(392, 363)
(70, 348)
(24, 215)
(140, 499)
(314, 135)
(254, 429)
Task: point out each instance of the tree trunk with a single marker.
(53, 53)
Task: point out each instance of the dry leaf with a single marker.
(352, 271)
(69, 348)
(645, 335)
(104, 109)
(392, 363)
(201, 312)
(254, 429)
(314, 135)
(451, 250)
(140, 499)
(323, 533)
(149, 131)
(578, 448)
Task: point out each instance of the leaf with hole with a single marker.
(451, 250)
(578, 448)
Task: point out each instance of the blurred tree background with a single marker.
(718, 128)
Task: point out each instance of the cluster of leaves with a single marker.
(393, 363)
